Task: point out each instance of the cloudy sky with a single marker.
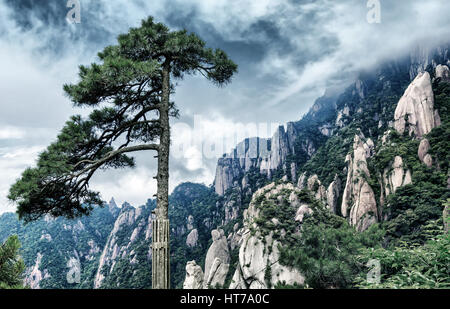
(288, 52)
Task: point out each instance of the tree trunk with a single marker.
(160, 226)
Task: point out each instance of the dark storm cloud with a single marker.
(49, 19)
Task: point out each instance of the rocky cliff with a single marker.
(415, 110)
(375, 152)
(61, 253)
(128, 245)
(258, 266)
(358, 201)
(351, 152)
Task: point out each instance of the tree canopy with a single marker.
(128, 90)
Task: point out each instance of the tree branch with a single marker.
(97, 163)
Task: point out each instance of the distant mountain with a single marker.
(371, 160)
(111, 248)
(53, 248)
(375, 153)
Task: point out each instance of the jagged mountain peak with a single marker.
(126, 207)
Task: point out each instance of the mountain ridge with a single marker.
(360, 154)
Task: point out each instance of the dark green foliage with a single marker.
(187, 199)
(307, 136)
(37, 193)
(413, 207)
(326, 252)
(127, 275)
(66, 236)
(284, 286)
(268, 275)
(201, 203)
(439, 137)
(325, 165)
(11, 264)
(409, 266)
(382, 91)
(278, 207)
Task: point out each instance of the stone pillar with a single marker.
(160, 254)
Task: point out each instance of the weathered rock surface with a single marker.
(333, 193)
(190, 223)
(246, 155)
(192, 238)
(315, 185)
(33, 275)
(234, 238)
(423, 154)
(416, 108)
(217, 260)
(258, 252)
(358, 201)
(340, 119)
(130, 219)
(423, 56)
(443, 72)
(113, 209)
(194, 276)
(266, 155)
(396, 176)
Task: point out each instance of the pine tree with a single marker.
(11, 264)
(129, 91)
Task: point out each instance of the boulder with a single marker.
(194, 276)
(192, 238)
(423, 154)
(416, 108)
(443, 72)
(396, 176)
(217, 260)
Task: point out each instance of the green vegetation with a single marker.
(326, 166)
(56, 240)
(11, 264)
(409, 244)
(414, 207)
(409, 266)
(200, 202)
(326, 252)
